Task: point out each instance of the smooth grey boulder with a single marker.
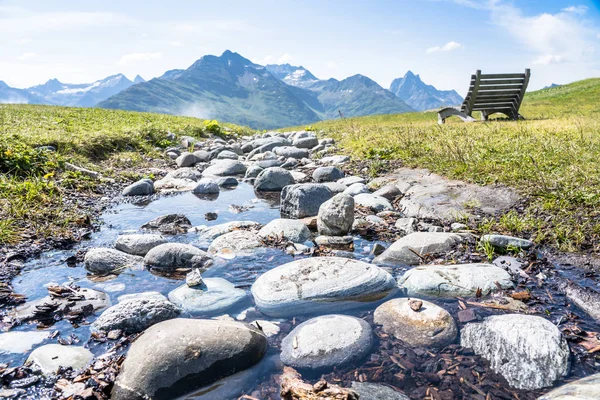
(186, 159)
(202, 155)
(291, 229)
(582, 389)
(214, 297)
(170, 224)
(133, 316)
(402, 251)
(374, 202)
(290, 151)
(142, 295)
(318, 284)
(227, 155)
(273, 179)
(274, 141)
(227, 182)
(335, 160)
(356, 188)
(351, 180)
(206, 186)
(429, 326)
(504, 242)
(406, 226)
(50, 357)
(177, 356)
(170, 256)
(20, 342)
(389, 192)
(225, 168)
(528, 351)
(253, 171)
(236, 242)
(270, 163)
(335, 187)
(101, 260)
(454, 280)
(303, 200)
(143, 187)
(306, 142)
(184, 173)
(327, 341)
(375, 391)
(138, 244)
(217, 230)
(327, 174)
(336, 216)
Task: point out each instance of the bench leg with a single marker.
(449, 112)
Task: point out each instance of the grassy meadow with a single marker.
(552, 158)
(33, 183)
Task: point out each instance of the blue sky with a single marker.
(442, 40)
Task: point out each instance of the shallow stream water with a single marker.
(52, 268)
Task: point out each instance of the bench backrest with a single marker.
(496, 93)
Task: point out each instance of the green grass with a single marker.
(33, 183)
(552, 158)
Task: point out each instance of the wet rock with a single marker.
(225, 168)
(336, 216)
(273, 179)
(206, 186)
(510, 264)
(428, 326)
(133, 316)
(375, 391)
(327, 174)
(11, 393)
(389, 192)
(143, 187)
(375, 203)
(101, 260)
(236, 242)
(215, 296)
(468, 315)
(306, 143)
(138, 244)
(351, 180)
(170, 224)
(177, 356)
(585, 298)
(292, 387)
(454, 280)
(402, 251)
(269, 328)
(356, 188)
(303, 200)
(227, 182)
(50, 357)
(335, 242)
(20, 342)
(529, 351)
(194, 278)
(253, 171)
(170, 256)
(291, 229)
(582, 389)
(377, 249)
(317, 284)
(327, 341)
(221, 229)
(293, 152)
(186, 159)
(504, 242)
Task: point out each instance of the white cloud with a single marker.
(549, 59)
(176, 43)
(132, 58)
(575, 9)
(553, 38)
(450, 46)
(27, 57)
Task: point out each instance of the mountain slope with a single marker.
(421, 96)
(229, 87)
(293, 76)
(83, 94)
(9, 95)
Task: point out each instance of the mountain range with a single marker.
(232, 88)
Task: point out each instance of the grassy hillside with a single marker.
(33, 183)
(553, 158)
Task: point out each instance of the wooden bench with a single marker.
(491, 93)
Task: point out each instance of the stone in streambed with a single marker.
(133, 316)
(336, 216)
(49, 358)
(213, 297)
(101, 260)
(170, 256)
(138, 244)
